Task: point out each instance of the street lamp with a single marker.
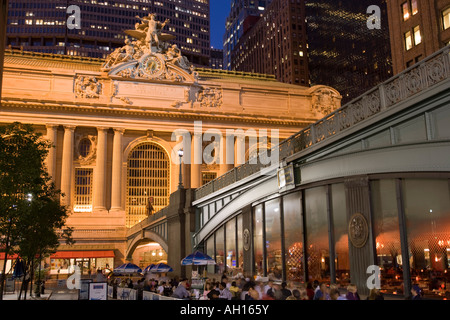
(180, 182)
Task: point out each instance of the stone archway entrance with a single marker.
(148, 252)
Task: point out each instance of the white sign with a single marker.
(286, 177)
(98, 291)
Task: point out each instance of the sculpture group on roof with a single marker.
(150, 43)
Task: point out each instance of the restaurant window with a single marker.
(240, 242)
(427, 213)
(446, 18)
(258, 240)
(83, 190)
(230, 229)
(220, 250)
(273, 239)
(293, 234)
(387, 235)
(210, 251)
(317, 251)
(340, 226)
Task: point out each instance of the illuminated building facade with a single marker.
(116, 123)
(40, 26)
(418, 28)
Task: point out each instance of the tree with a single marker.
(30, 213)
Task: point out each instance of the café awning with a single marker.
(82, 254)
(2, 256)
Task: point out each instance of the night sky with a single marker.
(219, 12)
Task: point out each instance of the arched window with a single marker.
(148, 180)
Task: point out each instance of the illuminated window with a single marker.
(405, 11)
(148, 178)
(417, 36)
(83, 190)
(446, 19)
(408, 40)
(414, 7)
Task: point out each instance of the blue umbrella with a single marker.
(147, 268)
(161, 267)
(127, 268)
(198, 259)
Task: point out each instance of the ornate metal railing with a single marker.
(423, 75)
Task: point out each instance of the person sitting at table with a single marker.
(181, 292)
(225, 293)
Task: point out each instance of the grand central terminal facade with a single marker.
(113, 124)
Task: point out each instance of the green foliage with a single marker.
(31, 217)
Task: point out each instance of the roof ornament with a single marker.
(150, 56)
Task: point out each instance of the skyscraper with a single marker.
(42, 26)
(342, 51)
(276, 44)
(418, 28)
(243, 14)
(318, 42)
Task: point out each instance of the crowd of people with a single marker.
(242, 289)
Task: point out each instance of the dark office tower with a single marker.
(243, 14)
(275, 44)
(343, 52)
(418, 28)
(36, 25)
(216, 61)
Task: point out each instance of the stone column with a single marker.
(52, 131)
(239, 150)
(100, 171)
(227, 144)
(196, 160)
(67, 165)
(116, 183)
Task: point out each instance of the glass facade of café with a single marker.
(303, 235)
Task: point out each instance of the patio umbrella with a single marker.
(127, 268)
(161, 267)
(147, 268)
(198, 259)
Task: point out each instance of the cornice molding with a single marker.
(157, 113)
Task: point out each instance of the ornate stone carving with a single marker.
(324, 101)
(210, 97)
(358, 230)
(85, 148)
(87, 87)
(150, 56)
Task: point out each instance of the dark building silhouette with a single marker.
(323, 42)
(342, 51)
(275, 44)
(36, 25)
